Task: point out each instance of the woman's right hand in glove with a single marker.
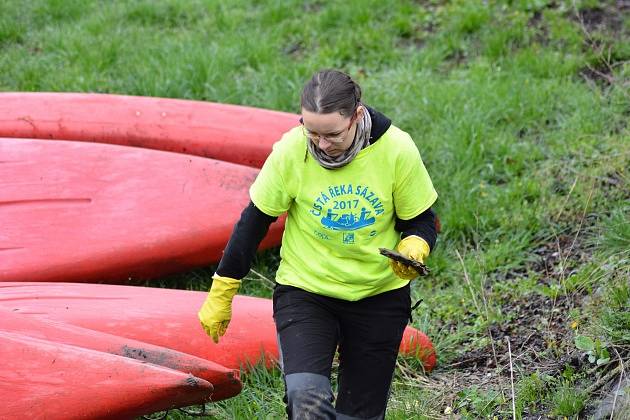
(216, 312)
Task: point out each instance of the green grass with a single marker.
(528, 150)
(567, 401)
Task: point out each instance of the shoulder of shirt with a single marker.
(398, 140)
(292, 144)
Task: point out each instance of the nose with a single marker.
(324, 144)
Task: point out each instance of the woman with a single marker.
(351, 182)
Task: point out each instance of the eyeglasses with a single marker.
(332, 138)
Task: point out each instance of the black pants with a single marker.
(310, 327)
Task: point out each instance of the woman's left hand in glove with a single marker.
(413, 247)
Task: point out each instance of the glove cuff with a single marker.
(226, 280)
(226, 286)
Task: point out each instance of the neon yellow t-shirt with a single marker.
(337, 219)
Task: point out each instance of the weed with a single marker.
(530, 391)
(567, 400)
(475, 403)
(594, 349)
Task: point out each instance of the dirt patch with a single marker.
(539, 333)
(608, 16)
(417, 36)
(601, 75)
(537, 22)
(294, 50)
(538, 328)
(560, 258)
(416, 41)
(603, 26)
(615, 185)
(312, 6)
(161, 358)
(193, 381)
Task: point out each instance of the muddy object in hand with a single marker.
(397, 256)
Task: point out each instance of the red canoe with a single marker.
(416, 344)
(40, 379)
(225, 381)
(163, 317)
(168, 318)
(231, 133)
(77, 211)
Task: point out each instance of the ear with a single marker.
(360, 110)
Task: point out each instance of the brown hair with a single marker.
(331, 91)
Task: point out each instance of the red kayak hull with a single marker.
(168, 318)
(88, 212)
(225, 381)
(163, 317)
(232, 133)
(416, 344)
(40, 379)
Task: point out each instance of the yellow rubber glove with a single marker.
(415, 248)
(216, 312)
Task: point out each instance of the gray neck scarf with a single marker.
(361, 141)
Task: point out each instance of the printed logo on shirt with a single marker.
(347, 207)
(348, 238)
(321, 235)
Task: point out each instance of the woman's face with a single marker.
(332, 133)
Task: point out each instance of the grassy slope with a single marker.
(520, 112)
